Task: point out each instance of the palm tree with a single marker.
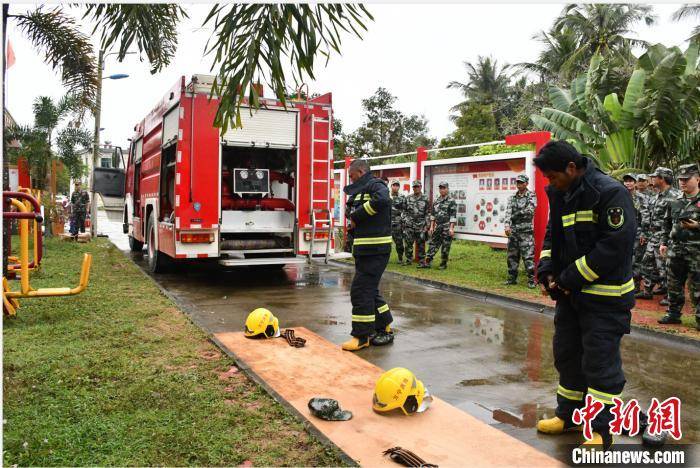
(689, 10)
(259, 42)
(602, 28)
(559, 46)
(486, 82)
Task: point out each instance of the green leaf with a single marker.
(613, 107)
(560, 98)
(633, 96)
(620, 147)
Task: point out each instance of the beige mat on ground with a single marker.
(443, 435)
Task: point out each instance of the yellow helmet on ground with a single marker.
(399, 388)
(261, 323)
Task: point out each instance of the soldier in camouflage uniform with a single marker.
(520, 212)
(415, 222)
(640, 206)
(398, 206)
(643, 186)
(653, 263)
(443, 218)
(79, 201)
(682, 226)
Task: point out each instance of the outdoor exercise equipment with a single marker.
(27, 208)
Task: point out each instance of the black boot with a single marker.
(531, 284)
(443, 265)
(669, 318)
(425, 264)
(664, 301)
(510, 281)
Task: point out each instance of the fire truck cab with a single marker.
(259, 194)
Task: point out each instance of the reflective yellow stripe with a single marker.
(585, 270)
(369, 209)
(363, 318)
(545, 253)
(366, 196)
(570, 394)
(585, 216)
(372, 240)
(602, 396)
(609, 289)
(383, 308)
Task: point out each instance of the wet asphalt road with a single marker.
(491, 361)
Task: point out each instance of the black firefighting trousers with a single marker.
(370, 312)
(587, 335)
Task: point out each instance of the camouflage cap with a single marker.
(395, 182)
(688, 170)
(642, 177)
(629, 175)
(443, 184)
(522, 178)
(662, 172)
(416, 183)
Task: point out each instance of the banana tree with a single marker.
(655, 123)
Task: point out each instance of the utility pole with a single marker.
(96, 146)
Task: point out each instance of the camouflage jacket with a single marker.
(641, 208)
(79, 201)
(398, 206)
(654, 224)
(520, 211)
(682, 207)
(444, 211)
(416, 213)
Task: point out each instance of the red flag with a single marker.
(10, 55)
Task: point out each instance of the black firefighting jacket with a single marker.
(589, 240)
(369, 206)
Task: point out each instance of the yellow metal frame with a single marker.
(35, 228)
(9, 297)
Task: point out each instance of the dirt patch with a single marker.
(229, 373)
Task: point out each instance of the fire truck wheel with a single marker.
(135, 245)
(158, 262)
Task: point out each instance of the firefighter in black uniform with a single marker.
(369, 209)
(586, 267)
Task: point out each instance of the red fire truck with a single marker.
(255, 195)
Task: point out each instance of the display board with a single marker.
(402, 174)
(481, 190)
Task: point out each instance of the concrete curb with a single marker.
(533, 307)
(187, 309)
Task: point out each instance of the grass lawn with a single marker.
(473, 265)
(119, 376)
(477, 266)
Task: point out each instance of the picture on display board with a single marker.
(481, 190)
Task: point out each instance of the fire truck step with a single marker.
(316, 140)
(321, 160)
(320, 120)
(320, 180)
(263, 261)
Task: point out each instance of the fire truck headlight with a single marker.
(259, 174)
(244, 175)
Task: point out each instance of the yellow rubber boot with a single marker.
(555, 426)
(355, 344)
(599, 440)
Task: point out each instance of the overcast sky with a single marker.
(413, 50)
